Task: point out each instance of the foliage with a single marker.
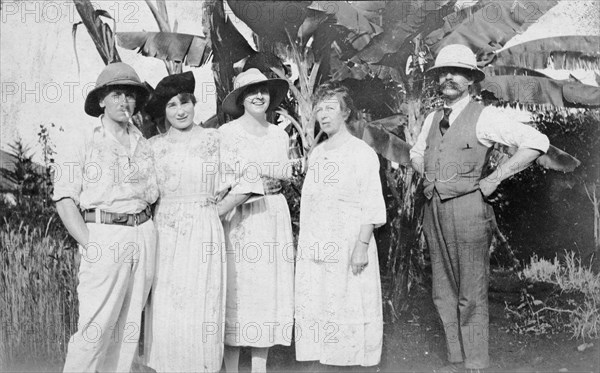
(23, 172)
(559, 296)
(569, 215)
(38, 270)
(102, 35)
(48, 152)
(178, 48)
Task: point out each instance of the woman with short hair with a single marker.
(338, 311)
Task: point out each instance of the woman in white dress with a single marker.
(258, 231)
(338, 310)
(184, 321)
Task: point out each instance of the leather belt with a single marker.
(104, 217)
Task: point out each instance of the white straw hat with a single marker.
(252, 77)
(458, 55)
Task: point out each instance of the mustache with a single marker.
(449, 84)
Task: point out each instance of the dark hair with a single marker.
(341, 92)
(184, 98)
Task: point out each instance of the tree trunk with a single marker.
(213, 20)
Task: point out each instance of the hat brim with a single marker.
(478, 74)
(278, 89)
(92, 101)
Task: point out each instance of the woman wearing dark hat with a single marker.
(258, 232)
(109, 175)
(187, 308)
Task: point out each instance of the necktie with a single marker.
(445, 122)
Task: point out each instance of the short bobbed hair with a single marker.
(339, 91)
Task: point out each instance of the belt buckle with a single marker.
(136, 219)
(121, 220)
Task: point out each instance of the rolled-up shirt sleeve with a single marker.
(67, 168)
(418, 149)
(495, 126)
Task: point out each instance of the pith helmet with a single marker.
(458, 55)
(115, 74)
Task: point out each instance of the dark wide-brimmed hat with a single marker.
(116, 74)
(249, 79)
(169, 87)
(458, 55)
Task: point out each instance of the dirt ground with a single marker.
(414, 343)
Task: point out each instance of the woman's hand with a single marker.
(221, 194)
(359, 259)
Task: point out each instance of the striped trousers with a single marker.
(458, 233)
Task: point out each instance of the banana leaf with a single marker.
(565, 52)
(362, 18)
(538, 91)
(402, 21)
(271, 19)
(382, 136)
(191, 49)
(486, 27)
(101, 34)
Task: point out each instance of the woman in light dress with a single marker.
(338, 310)
(184, 321)
(258, 232)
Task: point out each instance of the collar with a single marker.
(458, 106)
(131, 129)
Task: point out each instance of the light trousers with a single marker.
(115, 276)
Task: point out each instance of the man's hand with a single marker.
(488, 186)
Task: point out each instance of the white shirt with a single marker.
(493, 126)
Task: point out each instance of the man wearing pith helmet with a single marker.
(451, 152)
(103, 187)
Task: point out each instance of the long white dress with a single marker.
(185, 316)
(260, 247)
(339, 319)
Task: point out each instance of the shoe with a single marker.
(451, 368)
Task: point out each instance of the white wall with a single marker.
(38, 71)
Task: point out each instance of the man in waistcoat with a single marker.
(451, 152)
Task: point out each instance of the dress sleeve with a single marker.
(67, 167)
(235, 170)
(372, 203)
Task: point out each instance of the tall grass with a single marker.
(38, 302)
(571, 276)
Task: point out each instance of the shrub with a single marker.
(572, 296)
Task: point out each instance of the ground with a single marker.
(414, 343)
